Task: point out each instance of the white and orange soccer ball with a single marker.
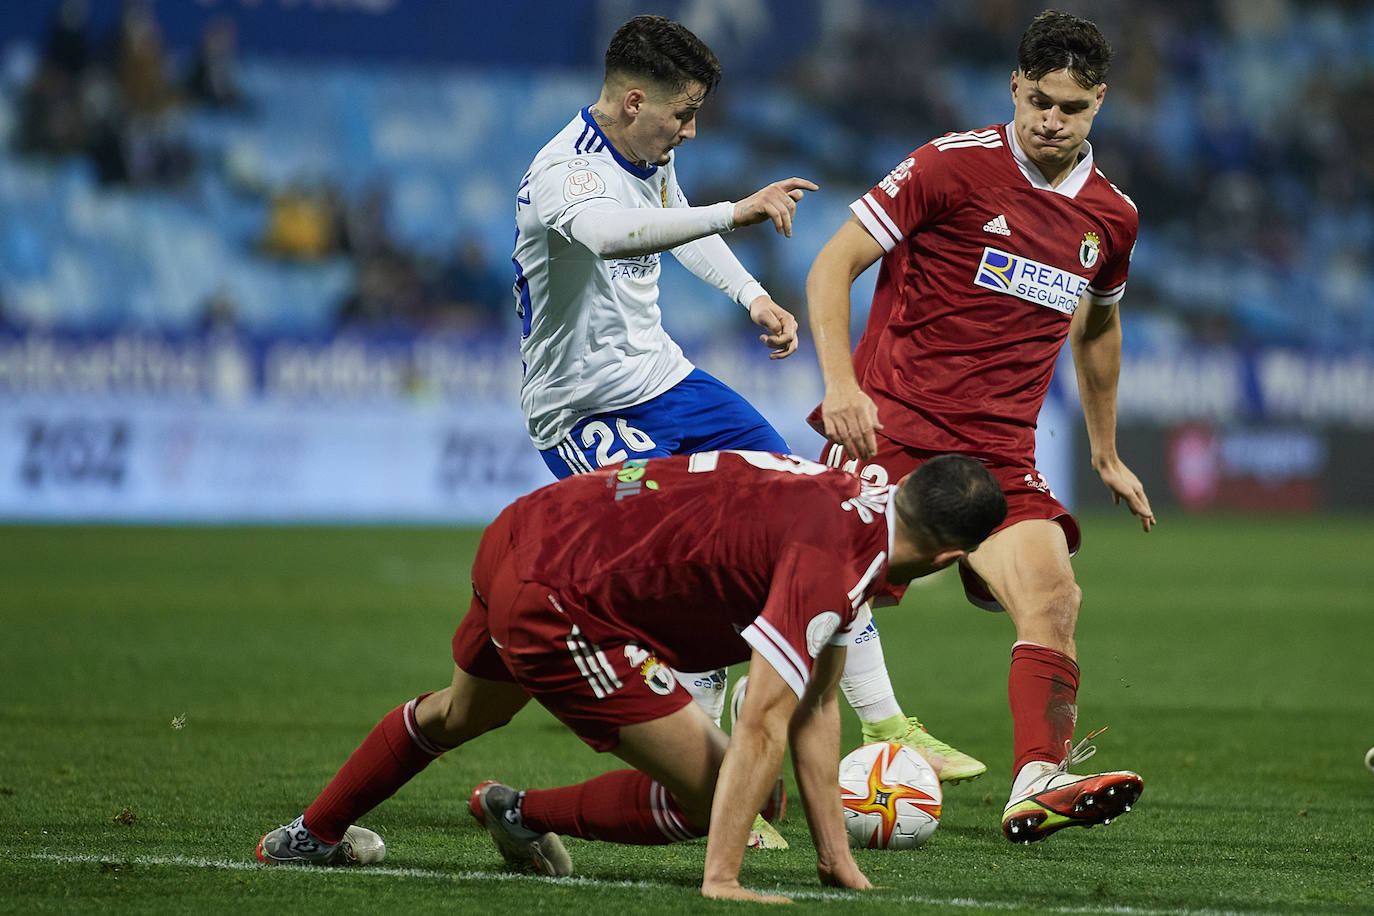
(891, 797)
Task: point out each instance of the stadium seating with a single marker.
(450, 146)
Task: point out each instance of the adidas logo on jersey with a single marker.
(997, 225)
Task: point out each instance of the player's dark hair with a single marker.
(1062, 41)
(951, 500)
(658, 49)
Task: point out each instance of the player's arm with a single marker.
(850, 415)
(613, 231)
(746, 776)
(713, 261)
(1095, 338)
(814, 735)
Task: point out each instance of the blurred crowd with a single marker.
(107, 97)
(114, 100)
(1243, 130)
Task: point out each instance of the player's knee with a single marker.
(1061, 609)
(453, 720)
(696, 805)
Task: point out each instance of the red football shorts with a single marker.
(1027, 492)
(520, 631)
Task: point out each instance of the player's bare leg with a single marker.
(1027, 568)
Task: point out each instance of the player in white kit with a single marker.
(604, 382)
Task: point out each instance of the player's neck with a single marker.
(614, 132)
(1056, 173)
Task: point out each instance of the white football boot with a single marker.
(1046, 797)
(294, 844)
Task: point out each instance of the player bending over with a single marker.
(587, 591)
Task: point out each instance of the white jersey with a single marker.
(592, 335)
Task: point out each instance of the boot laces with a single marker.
(1077, 753)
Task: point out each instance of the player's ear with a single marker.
(632, 100)
(1015, 74)
(949, 555)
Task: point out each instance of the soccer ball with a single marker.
(891, 797)
(1369, 759)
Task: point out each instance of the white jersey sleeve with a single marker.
(611, 230)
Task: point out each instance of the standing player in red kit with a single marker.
(588, 591)
(997, 245)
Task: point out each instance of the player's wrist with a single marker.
(723, 216)
(751, 292)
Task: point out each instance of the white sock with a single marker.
(865, 682)
(707, 688)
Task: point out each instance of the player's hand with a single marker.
(851, 419)
(1123, 483)
(733, 891)
(781, 326)
(776, 202)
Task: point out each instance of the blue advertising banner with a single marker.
(223, 428)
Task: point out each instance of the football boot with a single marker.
(1052, 798)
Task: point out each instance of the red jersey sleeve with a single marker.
(1109, 283)
(917, 191)
(815, 601)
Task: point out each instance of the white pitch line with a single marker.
(500, 877)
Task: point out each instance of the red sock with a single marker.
(623, 806)
(389, 756)
(1042, 689)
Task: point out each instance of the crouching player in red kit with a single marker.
(586, 593)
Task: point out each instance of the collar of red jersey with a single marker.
(1070, 186)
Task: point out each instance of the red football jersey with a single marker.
(687, 554)
(983, 268)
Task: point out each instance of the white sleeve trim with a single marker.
(768, 642)
(875, 219)
(712, 260)
(618, 232)
(1107, 297)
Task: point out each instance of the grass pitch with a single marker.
(170, 694)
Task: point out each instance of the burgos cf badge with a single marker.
(1088, 249)
(658, 676)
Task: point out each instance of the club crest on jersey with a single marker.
(1042, 284)
(657, 676)
(1088, 249)
(582, 183)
